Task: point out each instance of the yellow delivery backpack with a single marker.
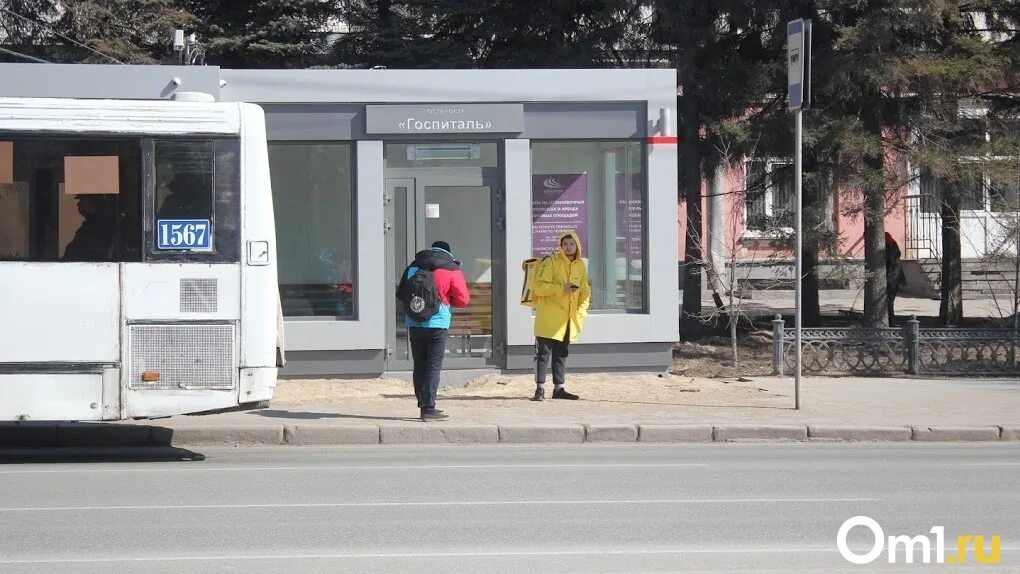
(530, 268)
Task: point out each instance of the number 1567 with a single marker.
(184, 235)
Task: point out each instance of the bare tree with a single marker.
(727, 270)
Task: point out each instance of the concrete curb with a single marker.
(305, 435)
(234, 435)
(955, 434)
(99, 435)
(862, 433)
(28, 435)
(438, 433)
(541, 433)
(759, 432)
(611, 433)
(675, 433)
(1010, 433)
(93, 435)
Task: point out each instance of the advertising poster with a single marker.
(558, 204)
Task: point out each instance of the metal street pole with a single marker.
(799, 255)
(798, 96)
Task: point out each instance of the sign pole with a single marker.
(798, 61)
(799, 255)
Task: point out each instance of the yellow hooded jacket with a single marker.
(553, 307)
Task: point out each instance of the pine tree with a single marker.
(887, 74)
(26, 29)
(541, 34)
(128, 31)
(728, 60)
(264, 33)
(889, 80)
(396, 34)
(945, 62)
(17, 19)
(496, 34)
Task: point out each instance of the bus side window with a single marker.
(71, 198)
(184, 179)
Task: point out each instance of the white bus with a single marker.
(137, 260)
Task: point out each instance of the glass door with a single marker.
(462, 209)
(459, 212)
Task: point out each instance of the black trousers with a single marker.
(890, 301)
(557, 351)
(427, 349)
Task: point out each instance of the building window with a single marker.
(931, 191)
(973, 191)
(770, 194)
(67, 198)
(985, 192)
(598, 190)
(969, 190)
(1004, 194)
(989, 182)
(313, 198)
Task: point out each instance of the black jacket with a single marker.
(429, 259)
(894, 275)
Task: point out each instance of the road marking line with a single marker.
(444, 503)
(376, 467)
(480, 554)
(991, 464)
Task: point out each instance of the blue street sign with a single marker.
(798, 64)
(795, 64)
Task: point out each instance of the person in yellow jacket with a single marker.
(562, 296)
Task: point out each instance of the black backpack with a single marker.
(421, 301)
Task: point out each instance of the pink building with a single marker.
(745, 218)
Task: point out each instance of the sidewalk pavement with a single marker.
(614, 408)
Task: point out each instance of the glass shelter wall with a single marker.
(313, 197)
(597, 190)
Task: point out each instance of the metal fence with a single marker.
(892, 351)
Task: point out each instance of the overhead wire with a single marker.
(26, 56)
(58, 34)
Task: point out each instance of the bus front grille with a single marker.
(182, 357)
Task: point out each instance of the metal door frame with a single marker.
(416, 180)
(392, 219)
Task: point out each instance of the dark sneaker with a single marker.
(433, 415)
(563, 394)
(539, 394)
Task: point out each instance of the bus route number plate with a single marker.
(184, 234)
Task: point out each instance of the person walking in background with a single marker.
(562, 297)
(429, 287)
(894, 276)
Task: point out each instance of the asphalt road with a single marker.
(586, 508)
